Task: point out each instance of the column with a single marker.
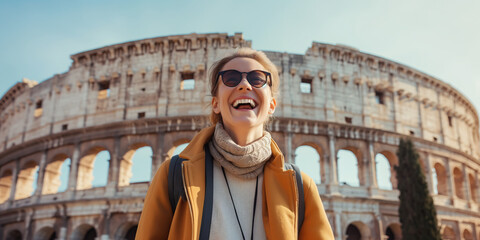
(114, 168)
(158, 157)
(333, 158)
(16, 170)
(289, 154)
(41, 174)
(72, 177)
(106, 225)
(451, 191)
(338, 226)
(380, 227)
(62, 234)
(429, 176)
(467, 185)
(372, 166)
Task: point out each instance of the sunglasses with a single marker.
(256, 78)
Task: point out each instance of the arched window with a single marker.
(473, 187)
(142, 165)
(448, 234)
(347, 166)
(14, 235)
(458, 179)
(100, 169)
(27, 180)
(383, 170)
(56, 175)
(93, 169)
(394, 231)
(130, 235)
(91, 234)
(467, 235)
(308, 160)
(353, 233)
(5, 185)
(439, 179)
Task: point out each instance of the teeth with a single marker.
(244, 101)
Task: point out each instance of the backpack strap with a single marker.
(176, 189)
(208, 201)
(175, 181)
(301, 196)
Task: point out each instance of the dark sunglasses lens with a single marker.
(231, 78)
(257, 78)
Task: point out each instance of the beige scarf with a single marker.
(247, 161)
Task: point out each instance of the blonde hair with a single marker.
(258, 56)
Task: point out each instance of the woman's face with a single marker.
(243, 116)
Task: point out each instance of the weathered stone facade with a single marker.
(122, 97)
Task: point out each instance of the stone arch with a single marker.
(130, 160)
(394, 231)
(357, 231)
(349, 167)
(84, 232)
(126, 231)
(86, 167)
(448, 233)
(26, 180)
(45, 233)
(14, 235)
(309, 160)
(383, 171)
(467, 235)
(458, 181)
(52, 174)
(392, 162)
(5, 185)
(473, 187)
(441, 179)
(176, 144)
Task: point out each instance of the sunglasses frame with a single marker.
(267, 75)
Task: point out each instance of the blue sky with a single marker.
(440, 38)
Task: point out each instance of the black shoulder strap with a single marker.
(176, 190)
(175, 181)
(301, 197)
(208, 202)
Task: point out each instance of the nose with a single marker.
(244, 84)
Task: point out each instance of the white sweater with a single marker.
(224, 223)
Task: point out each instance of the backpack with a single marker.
(176, 190)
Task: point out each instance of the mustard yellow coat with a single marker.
(279, 203)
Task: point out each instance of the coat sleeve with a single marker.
(315, 224)
(157, 213)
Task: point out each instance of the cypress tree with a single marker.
(418, 216)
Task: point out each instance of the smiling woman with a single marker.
(252, 194)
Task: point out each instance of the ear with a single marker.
(272, 106)
(215, 107)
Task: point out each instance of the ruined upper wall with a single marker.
(148, 79)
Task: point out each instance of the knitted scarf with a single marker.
(243, 161)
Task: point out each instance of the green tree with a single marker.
(417, 211)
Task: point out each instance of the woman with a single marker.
(253, 196)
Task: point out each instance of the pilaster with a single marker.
(451, 191)
(40, 178)
(72, 177)
(429, 176)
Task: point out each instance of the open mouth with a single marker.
(244, 104)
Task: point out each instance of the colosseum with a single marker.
(153, 93)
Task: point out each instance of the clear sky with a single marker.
(440, 38)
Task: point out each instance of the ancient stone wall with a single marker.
(154, 93)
